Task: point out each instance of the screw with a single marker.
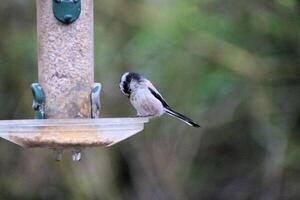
(67, 18)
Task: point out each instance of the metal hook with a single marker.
(38, 103)
(95, 100)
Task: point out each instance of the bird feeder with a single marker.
(66, 100)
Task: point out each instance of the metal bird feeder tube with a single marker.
(66, 99)
(65, 61)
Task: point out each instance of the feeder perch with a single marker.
(66, 100)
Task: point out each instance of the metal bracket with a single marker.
(38, 103)
(66, 11)
(95, 100)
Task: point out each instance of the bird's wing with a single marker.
(168, 109)
(159, 97)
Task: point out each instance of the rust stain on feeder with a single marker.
(61, 140)
(59, 136)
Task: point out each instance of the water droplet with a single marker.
(76, 155)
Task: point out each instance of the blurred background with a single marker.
(232, 65)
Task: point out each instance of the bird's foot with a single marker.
(150, 116)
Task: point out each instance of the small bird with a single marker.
(146, 99)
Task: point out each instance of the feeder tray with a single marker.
(65, 133)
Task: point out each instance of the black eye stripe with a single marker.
(126, 83)
(126, 87)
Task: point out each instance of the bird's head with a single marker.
(129, 82)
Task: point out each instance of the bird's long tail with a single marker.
(183, 118)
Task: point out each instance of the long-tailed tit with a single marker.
(145, 98)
